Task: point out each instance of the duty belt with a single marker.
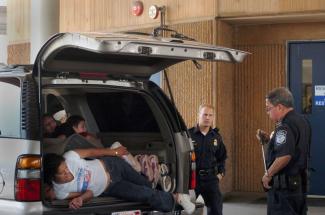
(282, 182)
(204, 172)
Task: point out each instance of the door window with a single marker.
(55, 108)
(10, 107)
(307, 74)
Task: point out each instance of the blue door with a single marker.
(307, 83)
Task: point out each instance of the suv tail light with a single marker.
(193, 171)
(28, 178)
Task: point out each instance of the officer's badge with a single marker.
(280, 137)
(215, 142)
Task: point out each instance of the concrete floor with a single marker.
(255, 204)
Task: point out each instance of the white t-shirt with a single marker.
(88, 175)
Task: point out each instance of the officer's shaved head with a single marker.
(205, 116)
(281, 96)
(205, 106)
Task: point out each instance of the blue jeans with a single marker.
(129, 185)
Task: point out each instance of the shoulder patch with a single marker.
(280, 137)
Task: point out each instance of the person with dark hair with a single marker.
(76, 124)
(52, 128)
(52, 162)
(79, 180)
(49, 125)
(288, 151)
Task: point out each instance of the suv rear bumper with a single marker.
(11, 207)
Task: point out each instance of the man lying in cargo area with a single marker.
(79, 180)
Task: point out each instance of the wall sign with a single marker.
(319, 95)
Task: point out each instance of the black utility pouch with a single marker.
(294, 182)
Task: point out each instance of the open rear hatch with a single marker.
(121, 56)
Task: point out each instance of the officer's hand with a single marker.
(266, 181)
(262, 136)
(220, 176)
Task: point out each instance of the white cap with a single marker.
(59, 115)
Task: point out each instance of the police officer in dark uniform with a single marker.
(210, 159)
(287, 157)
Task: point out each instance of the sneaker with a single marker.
(164, 170)
(165, 183)
(185, 202)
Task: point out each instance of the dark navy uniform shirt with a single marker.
(210, 150)
(291, 137)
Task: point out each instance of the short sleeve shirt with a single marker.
(88, 175)
(284, 141)
(291, 137)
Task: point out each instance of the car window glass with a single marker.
(10, 107)
(122, 112)
(55, 108)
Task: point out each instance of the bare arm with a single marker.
(278, 164)
(100, 152)
(79, 198)
(73, 195)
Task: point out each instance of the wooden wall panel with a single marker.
(279, 33)
(213, 85)
(261, 72)
(234, 8)
(18, 21)
(192, 87)
(115, 15)
(181, 10)
(19, 53)
(223, 89)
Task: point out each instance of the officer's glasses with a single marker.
(269, 108)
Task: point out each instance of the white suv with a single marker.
(104, 78)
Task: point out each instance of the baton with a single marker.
(263, 141)
(263, 155)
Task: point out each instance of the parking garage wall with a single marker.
(238, 94)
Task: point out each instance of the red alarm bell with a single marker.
(137, 8)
